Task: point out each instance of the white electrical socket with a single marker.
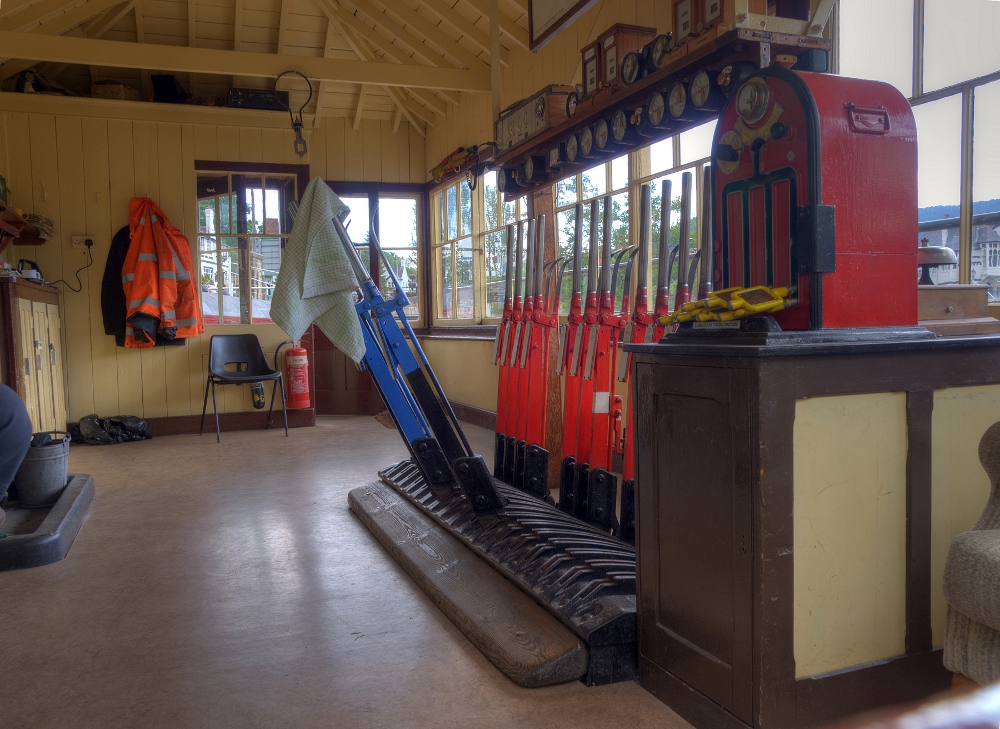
(80, 241)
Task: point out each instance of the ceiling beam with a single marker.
(507, 26)
(30, 46)
(9, 7)
(452, 49)
(464, 26)
(362, 93)
(344, 19)
(62, 22)
(392, 32)
(282, 24)
(140, 36)
(192, 18)
(28, 16)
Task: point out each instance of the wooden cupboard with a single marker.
(32, 352)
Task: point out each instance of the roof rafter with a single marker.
(507, 26)
(26, 17)
(453, 18)
(321, 91)
(362, 93)
(453, 50)
(208, 60)
(192, 22)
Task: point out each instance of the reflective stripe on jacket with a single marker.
(158, 278)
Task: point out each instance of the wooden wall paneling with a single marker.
(371, 133)
(20, 184)
(919, 412)
(5, 163)
(192, 350)
(317, 152)
(418, 163)
(227, 145)
(73, 221)
(96, 185)
(336, 154)
(272, 145)
(354, 153)
(403, 153)
(121, 157)
(172, 194)
(288, 147)
(250, 145)
(45, 194)
(205, 144)
(389, 152)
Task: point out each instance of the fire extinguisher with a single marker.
(296, 375)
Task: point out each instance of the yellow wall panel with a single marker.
(959, 485)
(81, 161)
(465, 369)
(849, 531)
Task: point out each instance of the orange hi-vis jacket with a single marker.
(158, 277)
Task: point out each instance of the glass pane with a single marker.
(405, 267)
(876, 41)
(210, 287)
(986, 191)
(491, 200)
(595, 182)
(496, 268)
(253, 199)
(661, 155)
(397, 220)
(619, 172)
(466, 196)
(619, 221)
(675, 223)
(566, 191)
(510, 212)
(463, 277)
(230, 287)
(206, 215)
(265, 261)
(225, 224)
(445, 310)
(565, 233)
(522, 206)
(939, 126)
(696, 143)
(357, 223)
(452, 213)
(960, 41)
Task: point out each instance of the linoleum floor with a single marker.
(229, 585)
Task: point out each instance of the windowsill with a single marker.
(472, 332)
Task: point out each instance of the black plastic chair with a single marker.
(244, 351)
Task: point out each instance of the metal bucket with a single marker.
(44, 472)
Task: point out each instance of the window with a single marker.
(395, 213)
(947, 65)
(243, 223)
(469, 251)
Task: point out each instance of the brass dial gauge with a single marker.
(601, 134)
(529, 169)
(572, 148)
(619, 125)
(662, 45)
(630, 67)
(752, 100)
(655, 109)
(571, 101)
(586, 141)
(701, 87)
(676, 100)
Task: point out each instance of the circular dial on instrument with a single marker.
(586, 141)
(571, 101)
(752, 100)
(655, 109)
(732, 140)
(677, 100)
(630, 68)
(502, 179)
(540, 107)
(619, 125)
(529, 168)
(601, 134)
(701, 87)
(571, 148)
(659, 50)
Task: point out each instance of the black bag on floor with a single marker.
(95, 430)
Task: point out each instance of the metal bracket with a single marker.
(602, 493)
(432, 460)
(536, 472)
(475, 479)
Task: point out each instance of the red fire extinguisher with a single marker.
(296, 376)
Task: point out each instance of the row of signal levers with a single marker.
(590, 354)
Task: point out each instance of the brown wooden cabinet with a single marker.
(787, 512)
(32, 350)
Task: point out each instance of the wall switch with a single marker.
(80, 241)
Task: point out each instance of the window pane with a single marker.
(939, 124)
(594, 182)
(619, 172)
(463, 277)
(675, 225)
(397, 221)
(230, 287)
(510, 212)
(696, 143)
(491, 200)
(225, 225)
(357, 220)
(876, 41)
(960, 41)
(986, 190)
(565, 233)
(404, 265)
(661, 155)
(496, 268)
(466, 198)
(446, 310)
(452, 213)
(566, 191)
(206, 215)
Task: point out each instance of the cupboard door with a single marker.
(55, 356)
(46, 407)
(694, 529)
(26, 361)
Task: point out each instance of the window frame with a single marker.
(245, 169)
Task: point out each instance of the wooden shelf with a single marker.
(734, 46)
(13, 226)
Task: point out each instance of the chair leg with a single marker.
(271, 406)
(281, 386)
(204, 407)
(215, 406)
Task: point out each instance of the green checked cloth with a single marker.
(316, 283)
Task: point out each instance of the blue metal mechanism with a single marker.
(412, 393)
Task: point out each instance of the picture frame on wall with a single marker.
(547, 18)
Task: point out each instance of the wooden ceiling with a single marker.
(355, 50)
